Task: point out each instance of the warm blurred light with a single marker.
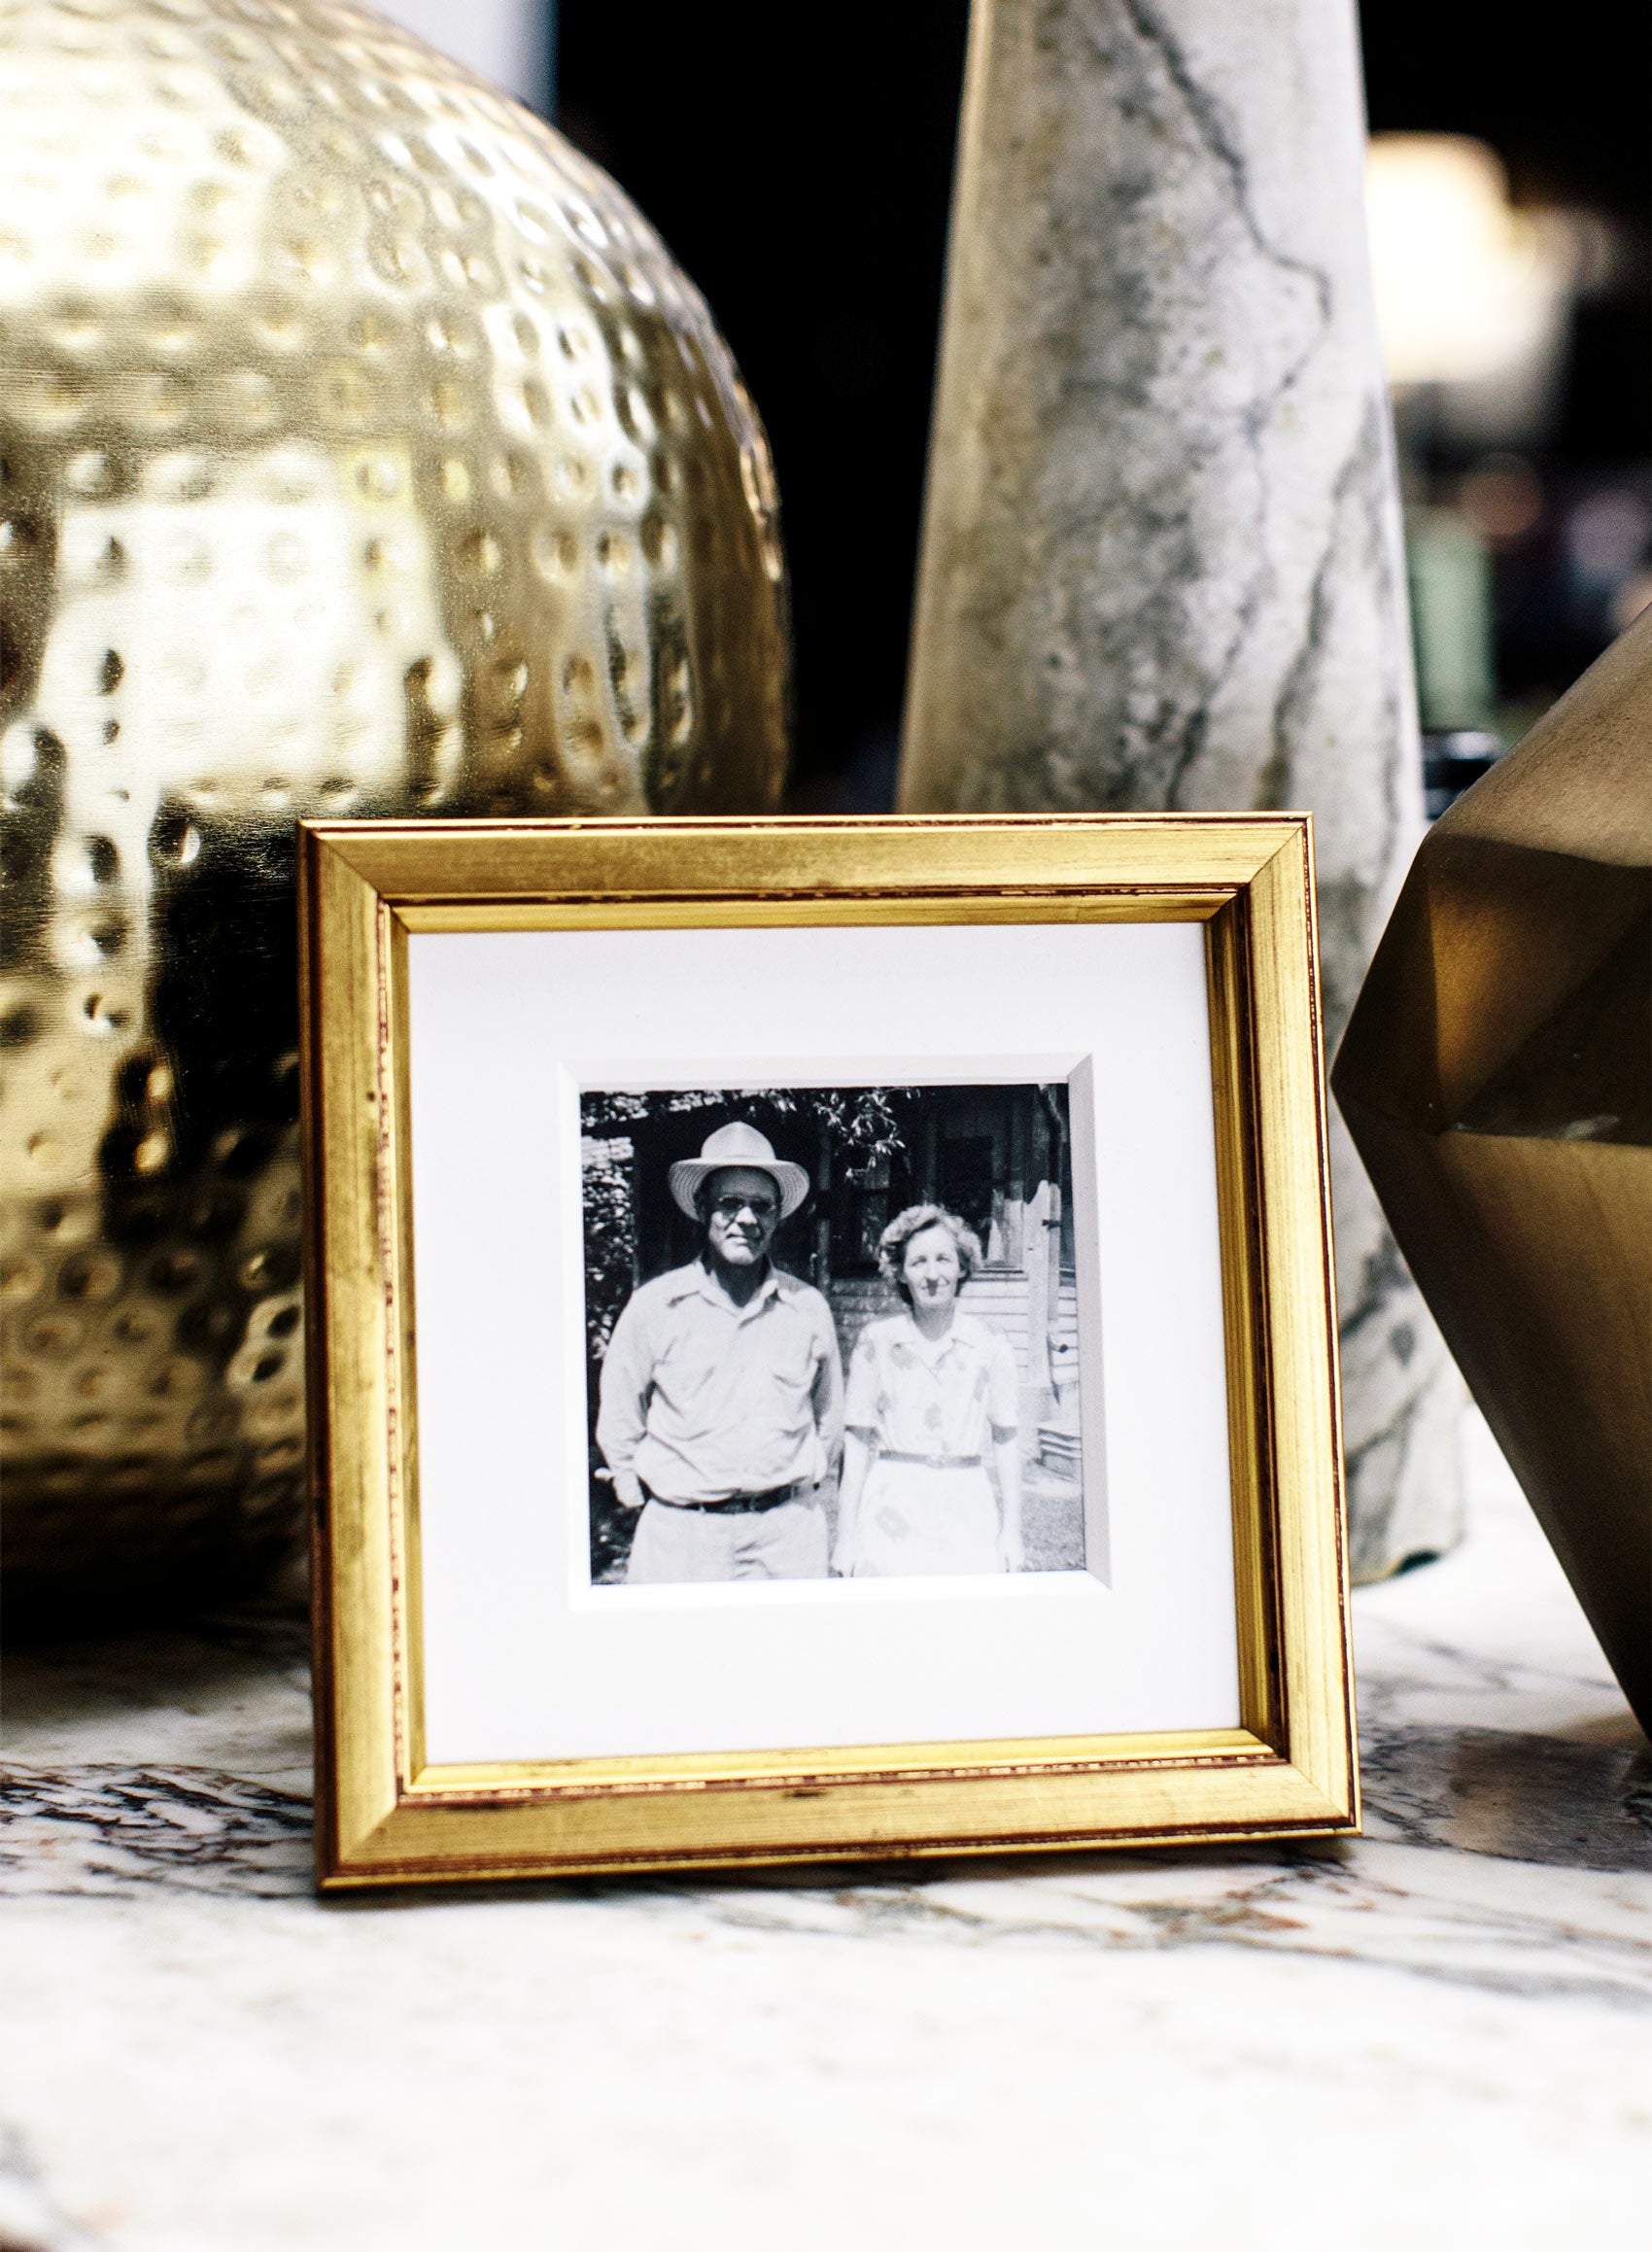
(1501, 497)
(1467, 287)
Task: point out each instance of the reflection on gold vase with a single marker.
(363, 452)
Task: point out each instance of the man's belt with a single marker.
(739, 1504)
(933, 1461)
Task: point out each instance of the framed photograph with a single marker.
(822, 1341)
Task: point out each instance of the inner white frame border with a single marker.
(522, 1659)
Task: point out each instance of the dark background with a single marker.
(803, 182)
(800, 166)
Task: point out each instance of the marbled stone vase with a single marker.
(1161, 549)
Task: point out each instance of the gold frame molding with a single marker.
(383, 1815)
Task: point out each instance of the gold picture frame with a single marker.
(385, 1814)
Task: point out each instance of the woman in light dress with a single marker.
(932, 1395)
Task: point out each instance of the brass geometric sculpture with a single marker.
(1497, 1076)
(362, 451)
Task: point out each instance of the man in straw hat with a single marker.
(722, 1398)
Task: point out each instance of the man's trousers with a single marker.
(673, 1543)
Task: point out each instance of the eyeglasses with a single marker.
(731, 1207)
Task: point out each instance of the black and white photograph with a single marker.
(831, 1332)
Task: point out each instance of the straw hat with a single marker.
(739, 1145)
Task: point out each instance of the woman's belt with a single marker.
(934, 1461)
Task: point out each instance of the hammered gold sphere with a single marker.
(363, 453)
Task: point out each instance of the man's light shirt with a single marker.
(702, 1399)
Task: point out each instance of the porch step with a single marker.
(1058, 1450)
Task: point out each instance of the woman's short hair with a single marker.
(915, 1221)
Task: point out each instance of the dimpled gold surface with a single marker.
(363, 453)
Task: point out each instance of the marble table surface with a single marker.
(1439, 2034)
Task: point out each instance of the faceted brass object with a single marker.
(1497, 1076)
(363, 453)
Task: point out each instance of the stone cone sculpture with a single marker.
(365, 453)
(1497, 1077)
(1161, 561)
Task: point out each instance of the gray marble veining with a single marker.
(30, 2218)
(90, 1830)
